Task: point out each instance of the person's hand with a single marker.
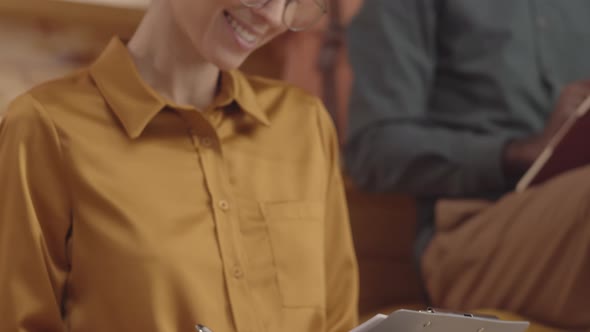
(570, 98)
(519, 155)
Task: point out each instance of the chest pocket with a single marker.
(284, 243)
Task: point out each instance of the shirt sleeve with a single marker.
(342, 283)
(34, 220)
(394, 142)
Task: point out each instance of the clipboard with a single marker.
(565, 151)
(436, 321)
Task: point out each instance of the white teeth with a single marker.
(242, 32)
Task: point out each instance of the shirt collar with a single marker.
(235, 86)
(135, 103)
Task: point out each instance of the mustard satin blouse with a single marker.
(121, 211)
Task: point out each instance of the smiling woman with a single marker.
(161, 189)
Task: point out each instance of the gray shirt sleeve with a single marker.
(395, 141)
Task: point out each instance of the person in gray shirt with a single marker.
(452, 102)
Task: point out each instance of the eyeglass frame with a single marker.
(323, 8)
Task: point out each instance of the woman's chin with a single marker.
(228, 62)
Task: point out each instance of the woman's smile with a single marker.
(246, 37)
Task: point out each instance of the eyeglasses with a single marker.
(298, 15)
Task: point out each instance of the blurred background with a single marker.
(43, 39)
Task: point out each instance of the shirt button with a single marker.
(207, 142)
(238, 274)
(224, 205)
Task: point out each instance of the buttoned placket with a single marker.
(207, 145)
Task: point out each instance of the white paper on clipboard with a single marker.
(427, 321)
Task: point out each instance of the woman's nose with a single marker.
(272, 12)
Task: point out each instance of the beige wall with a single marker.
(34, 51)
(43, 39)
